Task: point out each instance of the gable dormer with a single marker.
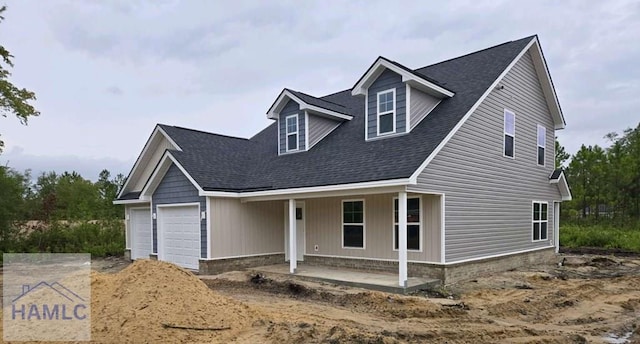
(396, 98)
(303, 120)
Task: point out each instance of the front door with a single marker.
(300, 239)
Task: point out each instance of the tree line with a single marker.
(604, 181)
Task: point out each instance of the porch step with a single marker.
(380, 281)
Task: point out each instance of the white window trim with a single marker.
(504, 132)
(393, 228)
(378, 113)
(287, 133)
(364, 227)
(543, 146)
(539, 221)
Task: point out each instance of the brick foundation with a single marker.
(448, 274)
(217, 266)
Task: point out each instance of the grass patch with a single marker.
(604, 236)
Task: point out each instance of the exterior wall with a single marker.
(385, 81)
(489, 198)
(324, 228)
(218, 266)
(240, 229)
(149, 162)
(421, 105)
(319, 127)
(176, 188)
(292, 108)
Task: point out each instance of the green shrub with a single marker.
(600, 236)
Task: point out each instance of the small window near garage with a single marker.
(413, 223)
(509, 133)
(353, 224)
(542, 140)
(292, 132)
(387, 112)
(298, 213)
(540, 220)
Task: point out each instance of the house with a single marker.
(443, 171)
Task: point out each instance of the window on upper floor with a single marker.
(540, 220)
(387, 112)
(292, 132)
(542, 140)
(509, 134)
(413, 223)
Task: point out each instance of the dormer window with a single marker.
(387, 112)
(292, 133)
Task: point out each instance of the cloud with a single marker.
(87, 167)
(114, 90)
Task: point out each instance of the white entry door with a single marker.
(300, 230)
(179, 234)
(140, 231)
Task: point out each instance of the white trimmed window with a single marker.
(292, 132)
(542, 140)
(353, 224)
(387, 112)
(540, 220)
(509, 134)
(414, 230)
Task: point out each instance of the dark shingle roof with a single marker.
(130, 195)
(556, 174)
(222, 163)
(323, 103)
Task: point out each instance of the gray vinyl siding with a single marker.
(319, 127)
(292, 108)
(386, 81)
(421, 105)
(488, 203)
(176, 188)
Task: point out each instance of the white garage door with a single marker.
(140, 231)
(179, 233)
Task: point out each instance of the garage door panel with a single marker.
(181, 235)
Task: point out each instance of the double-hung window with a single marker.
(353, 224)
(387, 112)
(509, 133)
(292, 132)
(413, 223)
(540, 220)
(542, 140)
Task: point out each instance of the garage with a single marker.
(140, 230)
(179, 234)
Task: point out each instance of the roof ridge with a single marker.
(324, 100)
(475, 52)
(204, 132)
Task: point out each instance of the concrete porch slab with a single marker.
(380, 281)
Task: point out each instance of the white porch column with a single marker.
(293, 253)
(402, 238)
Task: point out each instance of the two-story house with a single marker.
(442, 171)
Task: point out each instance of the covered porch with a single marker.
(359, 236)
(381, 281)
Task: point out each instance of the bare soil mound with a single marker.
(144, 302)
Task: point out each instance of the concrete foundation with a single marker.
(217, 266)
(448, 274)
(127, 254)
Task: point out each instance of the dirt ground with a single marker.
(589, 299)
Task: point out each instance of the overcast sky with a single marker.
(105, 72)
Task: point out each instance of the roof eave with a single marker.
(411, 78)
(563, 186)
(286, 95)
